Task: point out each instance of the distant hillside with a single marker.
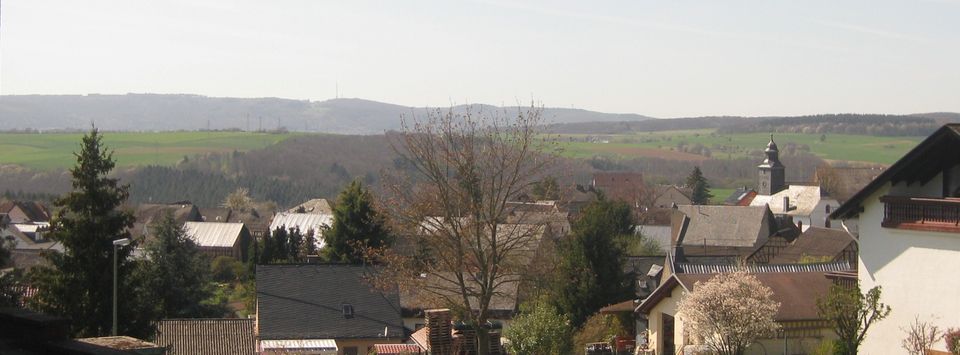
(919, 124)
(155, 112)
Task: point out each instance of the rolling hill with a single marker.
(162, 112)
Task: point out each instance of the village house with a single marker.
(220, 239)
(906, 224)
(716, 235)
(323, 309)
(802, 329)
(666, 196)
(25, 212)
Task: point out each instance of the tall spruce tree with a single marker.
(590, 270)
(355, 223)
(78, 283)
(701, 187)
(177, 273)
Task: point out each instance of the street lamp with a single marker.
(116, 246)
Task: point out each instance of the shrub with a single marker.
(952, 337)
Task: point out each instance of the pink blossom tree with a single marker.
(729, 312)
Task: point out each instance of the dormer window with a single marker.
(347, 310)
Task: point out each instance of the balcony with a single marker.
(920, 213)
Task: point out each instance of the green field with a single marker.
(666, 144)
(51, 151)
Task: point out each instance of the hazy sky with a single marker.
(664, 58)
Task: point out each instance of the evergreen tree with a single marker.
(177, 273)
(294, 245)
(355, 223)
(278, 246)
(590, 270)
(701, 187)
(78, 283)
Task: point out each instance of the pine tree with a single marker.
(701, 187)
(590, 270)
(355, 223)
(78, 284)
(177, 273)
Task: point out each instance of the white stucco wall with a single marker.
(667, 306)
(917, 271)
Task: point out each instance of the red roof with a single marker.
(397, 349)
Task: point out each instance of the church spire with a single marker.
(771, 171)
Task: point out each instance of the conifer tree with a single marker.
(177, 273)
(355, 224)
(701, 187)
(590, 270)
(78, 283)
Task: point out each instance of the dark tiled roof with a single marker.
(206, 336)
(726, 226)
(305, 302)
(814, 242)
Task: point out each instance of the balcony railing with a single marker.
(929, 214)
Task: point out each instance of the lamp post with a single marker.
(116, 246)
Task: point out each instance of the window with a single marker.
(347, 310)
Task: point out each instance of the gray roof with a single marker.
(317, 205)
(226, 336)
(304, 301)
(726, 226)
(214, 234)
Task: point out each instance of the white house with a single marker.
(907, 221)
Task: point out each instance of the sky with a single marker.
(674, 58)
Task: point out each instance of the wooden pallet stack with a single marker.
(465, 341)
(438, 331)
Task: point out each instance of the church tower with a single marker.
(772, 176)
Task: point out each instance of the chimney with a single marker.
(786, 204)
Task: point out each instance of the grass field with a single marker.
(667, 144)
(51, 151)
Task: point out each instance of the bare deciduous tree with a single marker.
(920, 336)
(463, 244)
(729, 312)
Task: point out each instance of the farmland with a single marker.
(698, 145)
(52, 151)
